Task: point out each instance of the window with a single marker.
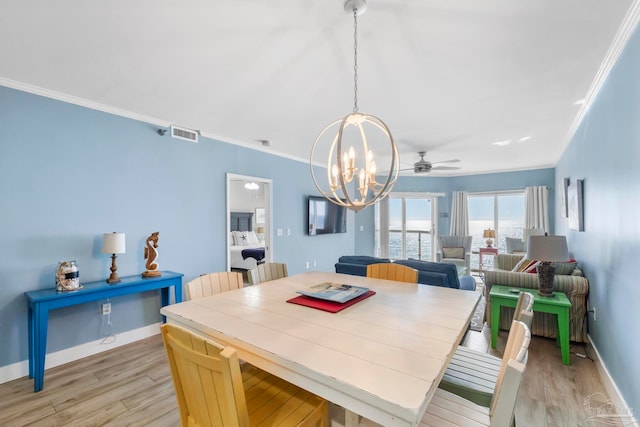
(404, 226)
(501, 211)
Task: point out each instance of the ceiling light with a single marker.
(579, 102)
(502, 143)
(524, 139)
(350, 152)
(251, 186)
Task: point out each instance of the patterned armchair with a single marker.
(455, 250)
(573, 284)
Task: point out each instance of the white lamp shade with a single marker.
(547, 248)
(113, 243)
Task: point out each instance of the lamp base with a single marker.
(113, 278)
(489, 243)
(546, 272)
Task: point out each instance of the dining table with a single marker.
(381, 358)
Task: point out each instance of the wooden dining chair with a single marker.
(473, 374)
(212, 391)
(267, 271)
(447, 408)
(213, 283)
(392, 271)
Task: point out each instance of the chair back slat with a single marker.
(266, 272)
(511, 373)
(213, 283)
(392, 271)
(524, 308)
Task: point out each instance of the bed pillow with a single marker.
(232, 239)
(241, 238)
(252, 238)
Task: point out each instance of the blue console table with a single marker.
(41, 301)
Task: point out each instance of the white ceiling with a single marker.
(447, 76)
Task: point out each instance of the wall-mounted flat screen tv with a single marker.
(326, 217)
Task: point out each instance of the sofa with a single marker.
(568, 279)
(429, 273)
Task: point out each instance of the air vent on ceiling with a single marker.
(183, 133)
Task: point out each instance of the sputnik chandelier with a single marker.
(361, 133)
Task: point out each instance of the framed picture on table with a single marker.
(575, 206)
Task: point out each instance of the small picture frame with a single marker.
(260, 216)
(564, 206)
(575, 206)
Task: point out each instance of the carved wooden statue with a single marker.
(151, 254)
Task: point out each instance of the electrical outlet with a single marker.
(106, 308)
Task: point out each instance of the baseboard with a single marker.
(21, 369)
(613, 393)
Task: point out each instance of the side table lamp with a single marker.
(113, 243)
(547, 249)
(489, 234)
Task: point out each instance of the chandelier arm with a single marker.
(340, 159)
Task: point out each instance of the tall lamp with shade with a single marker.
(113, 243)
(547, 250)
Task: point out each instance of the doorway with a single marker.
(248, 197)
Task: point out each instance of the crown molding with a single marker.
(621, 39)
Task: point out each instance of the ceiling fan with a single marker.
(424, 166)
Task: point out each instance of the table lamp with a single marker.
(489, 234)
(546, 250)
(113, 243)
(260, 233)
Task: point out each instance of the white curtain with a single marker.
(459, 214)
(536, 203)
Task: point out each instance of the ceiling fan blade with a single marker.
(447, 161)
(445, 168)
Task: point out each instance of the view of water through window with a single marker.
(502, 212)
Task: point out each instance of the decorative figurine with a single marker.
(151, 254)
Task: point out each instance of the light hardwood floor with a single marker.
(131, 386)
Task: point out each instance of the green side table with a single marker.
(558, 304)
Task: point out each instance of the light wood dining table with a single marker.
(381, 358)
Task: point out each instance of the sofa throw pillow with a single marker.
(453, 253)
(565, 268)
(524, 264)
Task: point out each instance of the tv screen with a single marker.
(326, 217)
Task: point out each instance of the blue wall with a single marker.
(605, 153)
(365, 239)
(70, 174)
